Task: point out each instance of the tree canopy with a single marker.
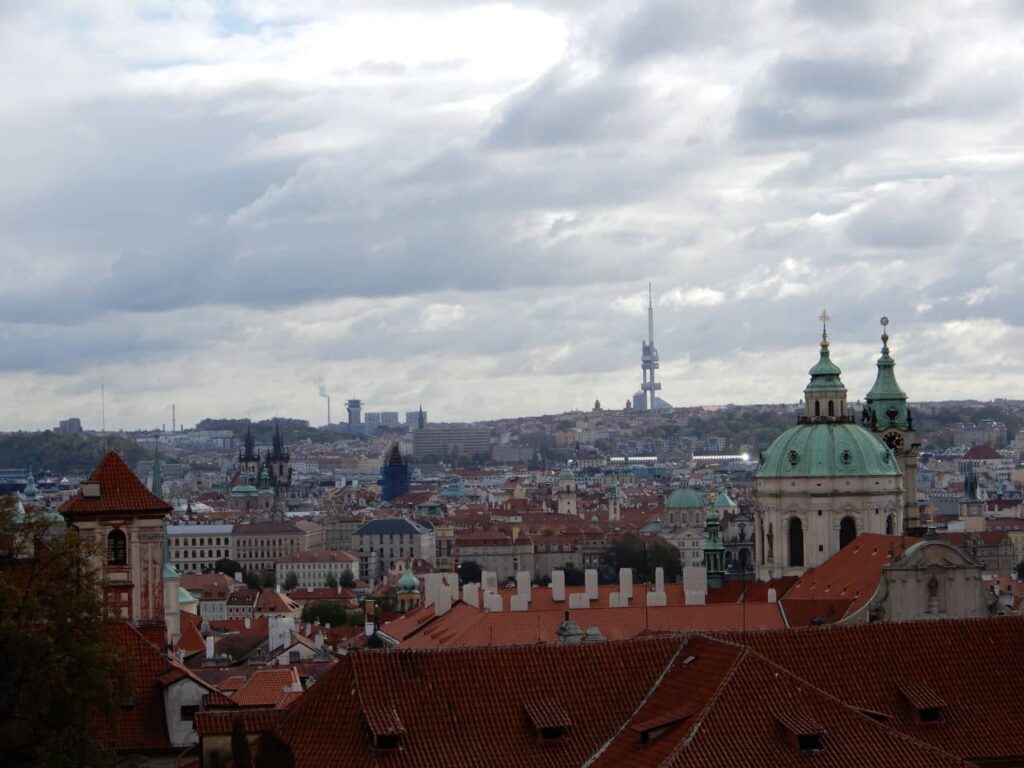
(62, 674)
(64, 454)
(470, 572)
(643, 555)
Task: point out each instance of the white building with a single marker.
(197, 548)
(312, 568)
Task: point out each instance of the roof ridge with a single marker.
(643, 701)
(712, 700)
(759, 657)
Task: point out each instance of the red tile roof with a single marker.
(120, 491)
(661, 701)
(265, 687)
(458, 708)
(222, 723)
(975, 666)
(851, 574)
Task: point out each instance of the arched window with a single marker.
(817, 408)
(796, 542)
(831, 408)
(847, 531)
(117, 548)
(889, 526)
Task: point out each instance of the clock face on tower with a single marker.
(894, 440)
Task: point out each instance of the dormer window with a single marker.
(549, 719)
(800, 731)
(384, 724)
(926, 704)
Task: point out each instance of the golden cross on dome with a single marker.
(824, 322)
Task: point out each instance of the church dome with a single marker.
(566, 474)
(408, 582)
(827, 450)
(685, 498)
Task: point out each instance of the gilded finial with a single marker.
(885, 334)
(824, 329)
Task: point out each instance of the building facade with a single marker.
(257, 546)
(197, 548)
(393, 539)
(312, 568)
(823, 481)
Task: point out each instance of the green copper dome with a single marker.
(886, 402)
(685, 498)
(825, 373)
(827, 450)
(408, 582)
(724, 501)
(566, 474)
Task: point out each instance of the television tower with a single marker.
(649, 357)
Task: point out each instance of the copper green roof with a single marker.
(566, 474)
(827, 450)
(408, 582)
(685, 498)
(723, 501)
(885, 399)
(824, 373)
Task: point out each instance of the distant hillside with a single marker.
(292, 430)
(62, 454)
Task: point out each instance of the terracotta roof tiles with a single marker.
(120, 491)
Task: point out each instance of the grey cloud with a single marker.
(666, 27)
(558, 110)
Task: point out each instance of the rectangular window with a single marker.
(188, 712)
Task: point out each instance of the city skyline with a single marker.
(221, 206)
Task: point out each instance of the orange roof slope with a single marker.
(976, 666)
(851, 574)
(468, 707)
(120, 491)
(476, 627)
(266, 687)
(723, 705)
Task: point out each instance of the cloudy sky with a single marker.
(223, 204)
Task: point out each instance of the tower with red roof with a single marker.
(114, 510)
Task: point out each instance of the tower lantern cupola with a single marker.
(886, 402)
(825, 394)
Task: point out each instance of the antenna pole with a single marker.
(103, 412)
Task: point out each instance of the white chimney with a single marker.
(659, 579)
(695, 584)
(590, 576)
(490, 581)
(578, 600)
(248, 623)
(453, 584)
(444, 601)
(493, 602)
(558, 585)
(471, 595)
(772, 595)
(209, 647)
(626, 584)
(319, 642)
(518, 603)
(523, 585)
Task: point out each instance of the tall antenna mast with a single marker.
(103, 412)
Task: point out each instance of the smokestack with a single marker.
(323, 393)
(174, 421)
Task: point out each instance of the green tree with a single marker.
(574, 577)
(291, 581)
(267, 579)
(331, 581)
(251, 579)
(661, 554)
(273, 752)
(228, 566)
(326, 612)
(240, 753)
(347, 580)
(470, 572)
(62, 674)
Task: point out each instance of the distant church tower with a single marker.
(714, 549)
(887, 414)
(566, 492)
(125, 520)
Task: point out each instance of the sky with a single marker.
(227, 205)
